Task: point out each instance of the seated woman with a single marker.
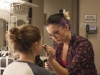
(26, 40)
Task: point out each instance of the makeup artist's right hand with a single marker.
(47, 66)
(50, 52)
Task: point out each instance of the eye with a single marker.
(50, 34)
(56, 32)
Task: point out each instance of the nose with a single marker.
(54, 38)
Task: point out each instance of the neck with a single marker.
(67, 41)
(27, 57)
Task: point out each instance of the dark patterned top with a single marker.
(80, 56)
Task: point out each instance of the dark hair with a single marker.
(58, 19)
(21, 38)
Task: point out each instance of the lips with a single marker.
(57, 40)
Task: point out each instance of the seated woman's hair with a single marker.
(21, 38)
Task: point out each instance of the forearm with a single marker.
(58, 69)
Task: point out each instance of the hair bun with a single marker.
(13, 30)
(61, 11)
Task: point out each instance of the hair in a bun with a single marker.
(12, 34)
(61, 11)
(13, 30)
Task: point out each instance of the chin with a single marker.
(59, 42)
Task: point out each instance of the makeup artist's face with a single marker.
(56, 32)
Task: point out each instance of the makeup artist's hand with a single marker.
(50, 52)
(47, 66)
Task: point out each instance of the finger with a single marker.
(44, 46)
(47, 46)
(48, 68)
(49, 51)
(46, 63)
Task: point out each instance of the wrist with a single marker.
(51, 61)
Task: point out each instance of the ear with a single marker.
(67, 27)
(35, 45)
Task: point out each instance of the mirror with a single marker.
(20, 22)
(3, 29)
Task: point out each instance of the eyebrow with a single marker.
(54, 31)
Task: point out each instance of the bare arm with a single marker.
(58, 69)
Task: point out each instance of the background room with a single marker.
(78, 10)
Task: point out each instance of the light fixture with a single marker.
(12, 1)
(4, 5)
(21, 2)
(7, 4)
(30, 4)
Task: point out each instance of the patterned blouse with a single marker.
(80, 56)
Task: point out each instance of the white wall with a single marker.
(3, 16)
(38, 16)
(91, 7)
(1, 33)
